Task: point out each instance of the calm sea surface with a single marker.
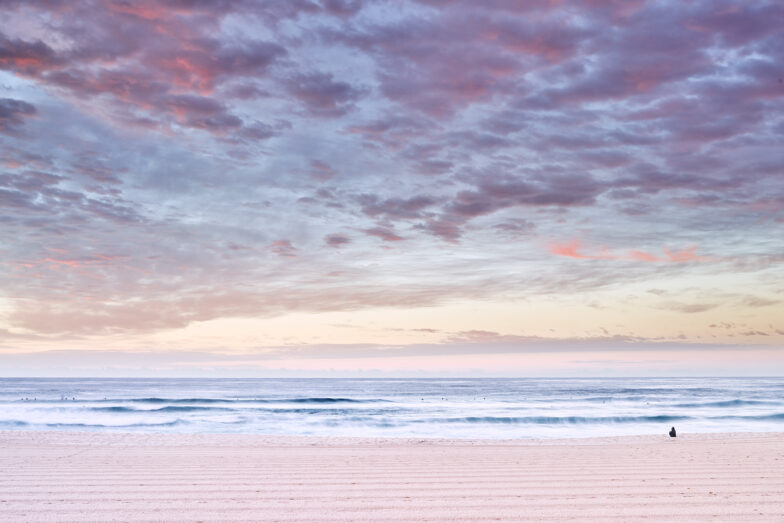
(440, 408)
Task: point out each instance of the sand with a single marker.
(80, 476)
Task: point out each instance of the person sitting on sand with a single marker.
(672, 432)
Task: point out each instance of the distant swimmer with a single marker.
(672, 432)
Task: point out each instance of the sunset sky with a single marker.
(432, 187)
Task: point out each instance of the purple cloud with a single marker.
(13, 113)
(28, 58)
(395, 208)
(322, 95)
(337, 240)
(386, 234)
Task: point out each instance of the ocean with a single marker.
(428, 408)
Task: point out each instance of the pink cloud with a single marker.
(27, 58)
(567, 249)
(643, 256)
(150, 57)
(384, 233)
(72, 262)
(684, 256)
(573, 248)
(321, 171)
(283, 248)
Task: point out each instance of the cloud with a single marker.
(458, 55)
(684, 255)
(491, 194)
(755, 301)
(737, 25)
(643, 256)
(754, 333)
(260, 131)
(30, 180)
(38, 194)
(384, 233)
(13, 114)
(27, 58)
(321, 171)
(576, 249)
(144, 59)
(205, 62)
(395, 208)
(513, 150)
(394, 131)
(573, 248)
(322, 95)
(499, 192)
(337, 240)
(688, 308)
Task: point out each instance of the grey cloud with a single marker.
(337, 240)
(384, 233)
(13, 114)
(395, 208)
(322, 95)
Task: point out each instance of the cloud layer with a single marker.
(165, 163)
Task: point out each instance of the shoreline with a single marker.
(298, 439)
(92, 476)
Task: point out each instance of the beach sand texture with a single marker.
(80, 476)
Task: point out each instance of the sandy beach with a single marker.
(81, 476)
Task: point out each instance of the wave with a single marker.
(560, 420)
(760, 417)
(252, 400)
(175, 400)
(779, 416)
(125, 426)
(268, 410)
(19, 423)
(557, 420)
(170, 408)
(726, 403)
(370, 412)
(326, 400)
(631, 391)
(13, 423)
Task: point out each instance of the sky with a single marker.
(381, 188)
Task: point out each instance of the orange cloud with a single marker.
(575, 249)
(572, 248)
(567, 249)
(643, 256)
(683, 256)
(95, 260)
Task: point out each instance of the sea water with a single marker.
(435, 408)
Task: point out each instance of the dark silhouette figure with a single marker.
(672, 432)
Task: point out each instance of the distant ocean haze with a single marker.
(438, 408)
